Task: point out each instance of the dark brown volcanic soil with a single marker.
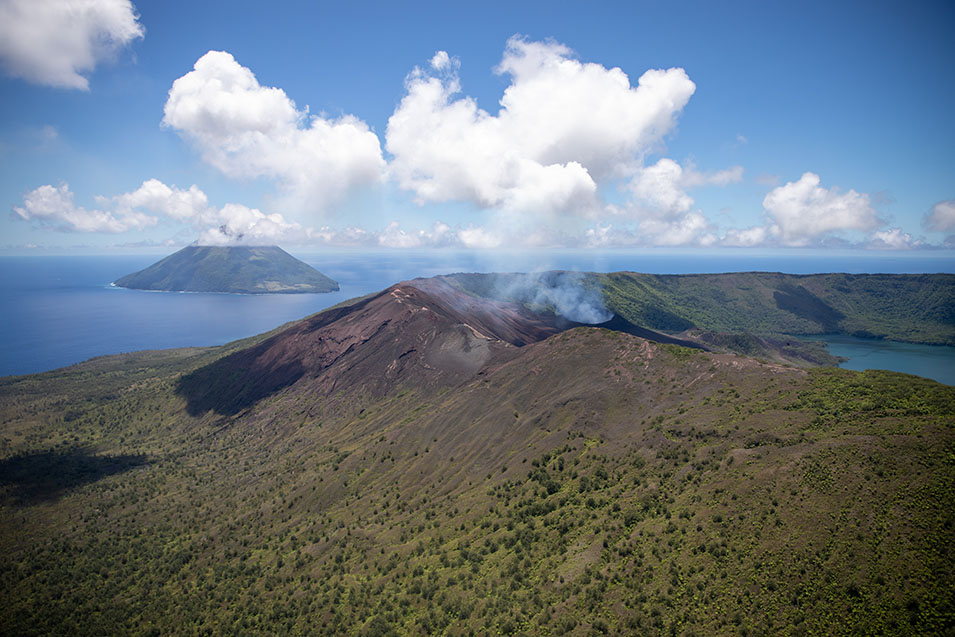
(424, 332)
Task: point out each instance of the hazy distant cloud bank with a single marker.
(54, 208)
(56, 42)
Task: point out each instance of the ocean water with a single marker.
(59, 310)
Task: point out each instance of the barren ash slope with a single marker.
(430, 460)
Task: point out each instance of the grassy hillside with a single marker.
(236, 269)
(592, 483)
(905, 307)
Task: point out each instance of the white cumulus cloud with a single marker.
(803, 211)
(664, 208)
(442, 61)
(689, 229)
(942, 217)
(54, 208)
(245, 129)
(241, 225)
(661, 186)
(172, 202)
(563, 127)
(660, 189)
(56, 42)
(893, 239)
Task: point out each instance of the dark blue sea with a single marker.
(60, 310)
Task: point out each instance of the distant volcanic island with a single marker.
(234, 269)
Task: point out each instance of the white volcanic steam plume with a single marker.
(566, 293)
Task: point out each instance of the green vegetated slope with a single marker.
(589, 482)
(905, 307)
(236, 269)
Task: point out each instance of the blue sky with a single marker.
(496, 125)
